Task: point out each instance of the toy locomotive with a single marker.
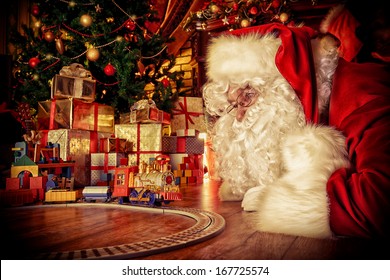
(152, 184)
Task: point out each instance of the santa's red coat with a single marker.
(360, 107)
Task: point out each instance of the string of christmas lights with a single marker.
(240, 14)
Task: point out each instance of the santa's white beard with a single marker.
(278, 166)
(248, 152)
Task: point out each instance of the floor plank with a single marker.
(75, 228)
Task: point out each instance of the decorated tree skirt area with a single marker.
(105, 231)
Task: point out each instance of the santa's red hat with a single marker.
(293, 59)
(342, 24)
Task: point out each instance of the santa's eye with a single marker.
(249, 95)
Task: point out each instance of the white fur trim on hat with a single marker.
(236, 59)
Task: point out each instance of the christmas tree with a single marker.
(116, 41)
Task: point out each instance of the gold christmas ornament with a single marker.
(93, 54)
(38, 24)
(60, 46)
(245, 23)
(48, 56)
(283, 17)
(48, 36)
(214, 9)
(86, 20)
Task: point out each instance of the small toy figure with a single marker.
(51, 182)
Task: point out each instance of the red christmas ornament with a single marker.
(35, 10)
(33, 62)
(130, 25)
(253, 10)
(166, 83)
(109, 70)
(235, 6)
(275, 4)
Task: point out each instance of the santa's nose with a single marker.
(240, 114)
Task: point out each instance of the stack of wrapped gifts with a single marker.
(73, 120)
(144, 126)
(185, 150)
(156, 133)
(112, 153)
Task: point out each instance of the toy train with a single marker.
(148, 187)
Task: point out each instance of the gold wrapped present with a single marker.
(145, 111)
(109, 145)
(94, 117)
(75, 114)
(146, 139)
(188, 113)
(74, 82)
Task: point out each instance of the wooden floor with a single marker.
(25, 232)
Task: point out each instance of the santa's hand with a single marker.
(250, 201)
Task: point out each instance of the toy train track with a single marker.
(208, 225)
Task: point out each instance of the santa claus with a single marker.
(268, 86)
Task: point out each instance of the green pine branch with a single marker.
(138, 56)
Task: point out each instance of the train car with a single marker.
(97, 193)
(61, 195)
(148, 187)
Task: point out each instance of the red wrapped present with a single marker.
(178, 144)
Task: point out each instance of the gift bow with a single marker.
(143, 104)
(75, 70)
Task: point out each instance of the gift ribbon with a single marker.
(93, 168)
(106, 167)
(187, 115)
(93, 142)
(105, 163)
(52, 113)
(44, 137)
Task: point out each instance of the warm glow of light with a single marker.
(202, 135)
